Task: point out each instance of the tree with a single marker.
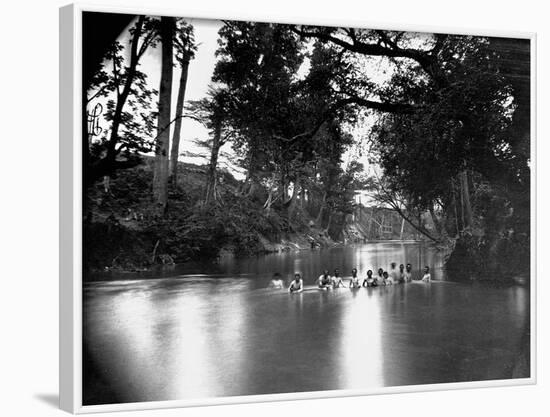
(160, 174)
(258, 63)
(277, 113)
(449, 68)
(123, 86)
(213, 110)
(185, 51)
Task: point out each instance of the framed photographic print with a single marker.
(257, 210)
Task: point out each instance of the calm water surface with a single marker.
(215, 330)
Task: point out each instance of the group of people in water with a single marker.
(327, 281)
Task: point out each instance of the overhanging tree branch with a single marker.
(402, 108)
(386, 197)
(388, 107)
(424, 58)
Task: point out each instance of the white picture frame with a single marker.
(70, 285)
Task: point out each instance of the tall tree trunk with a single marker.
(212, 167)
(160, 175)
(174, 153)
(294, 197)
(467, 206)
(455, 209)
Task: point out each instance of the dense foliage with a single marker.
(123, 230)
(455, 157)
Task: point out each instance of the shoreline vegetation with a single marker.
(432, 131)
(123, 234)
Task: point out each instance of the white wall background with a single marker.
(29, 195)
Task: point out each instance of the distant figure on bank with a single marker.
(387, 279)
(276, 282)
(369, 280)
(297, 285)
(394, 275)
(427, 277)
(380, 277)
(408, 273)
(337, 281)
(354, 281)
(324, 281)
(402, 273)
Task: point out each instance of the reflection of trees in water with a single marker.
(257, 271)
(363, 257)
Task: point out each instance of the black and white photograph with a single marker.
(274, 208)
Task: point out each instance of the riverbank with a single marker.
(123, 231)
(133, 246)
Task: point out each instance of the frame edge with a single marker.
(66, 182)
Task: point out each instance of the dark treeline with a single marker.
(450, 135)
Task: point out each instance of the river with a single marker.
(214, 329)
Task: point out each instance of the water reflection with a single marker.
(361, 344)
(310, 263)
(223, 334)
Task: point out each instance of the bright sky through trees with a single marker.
(378, 69)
